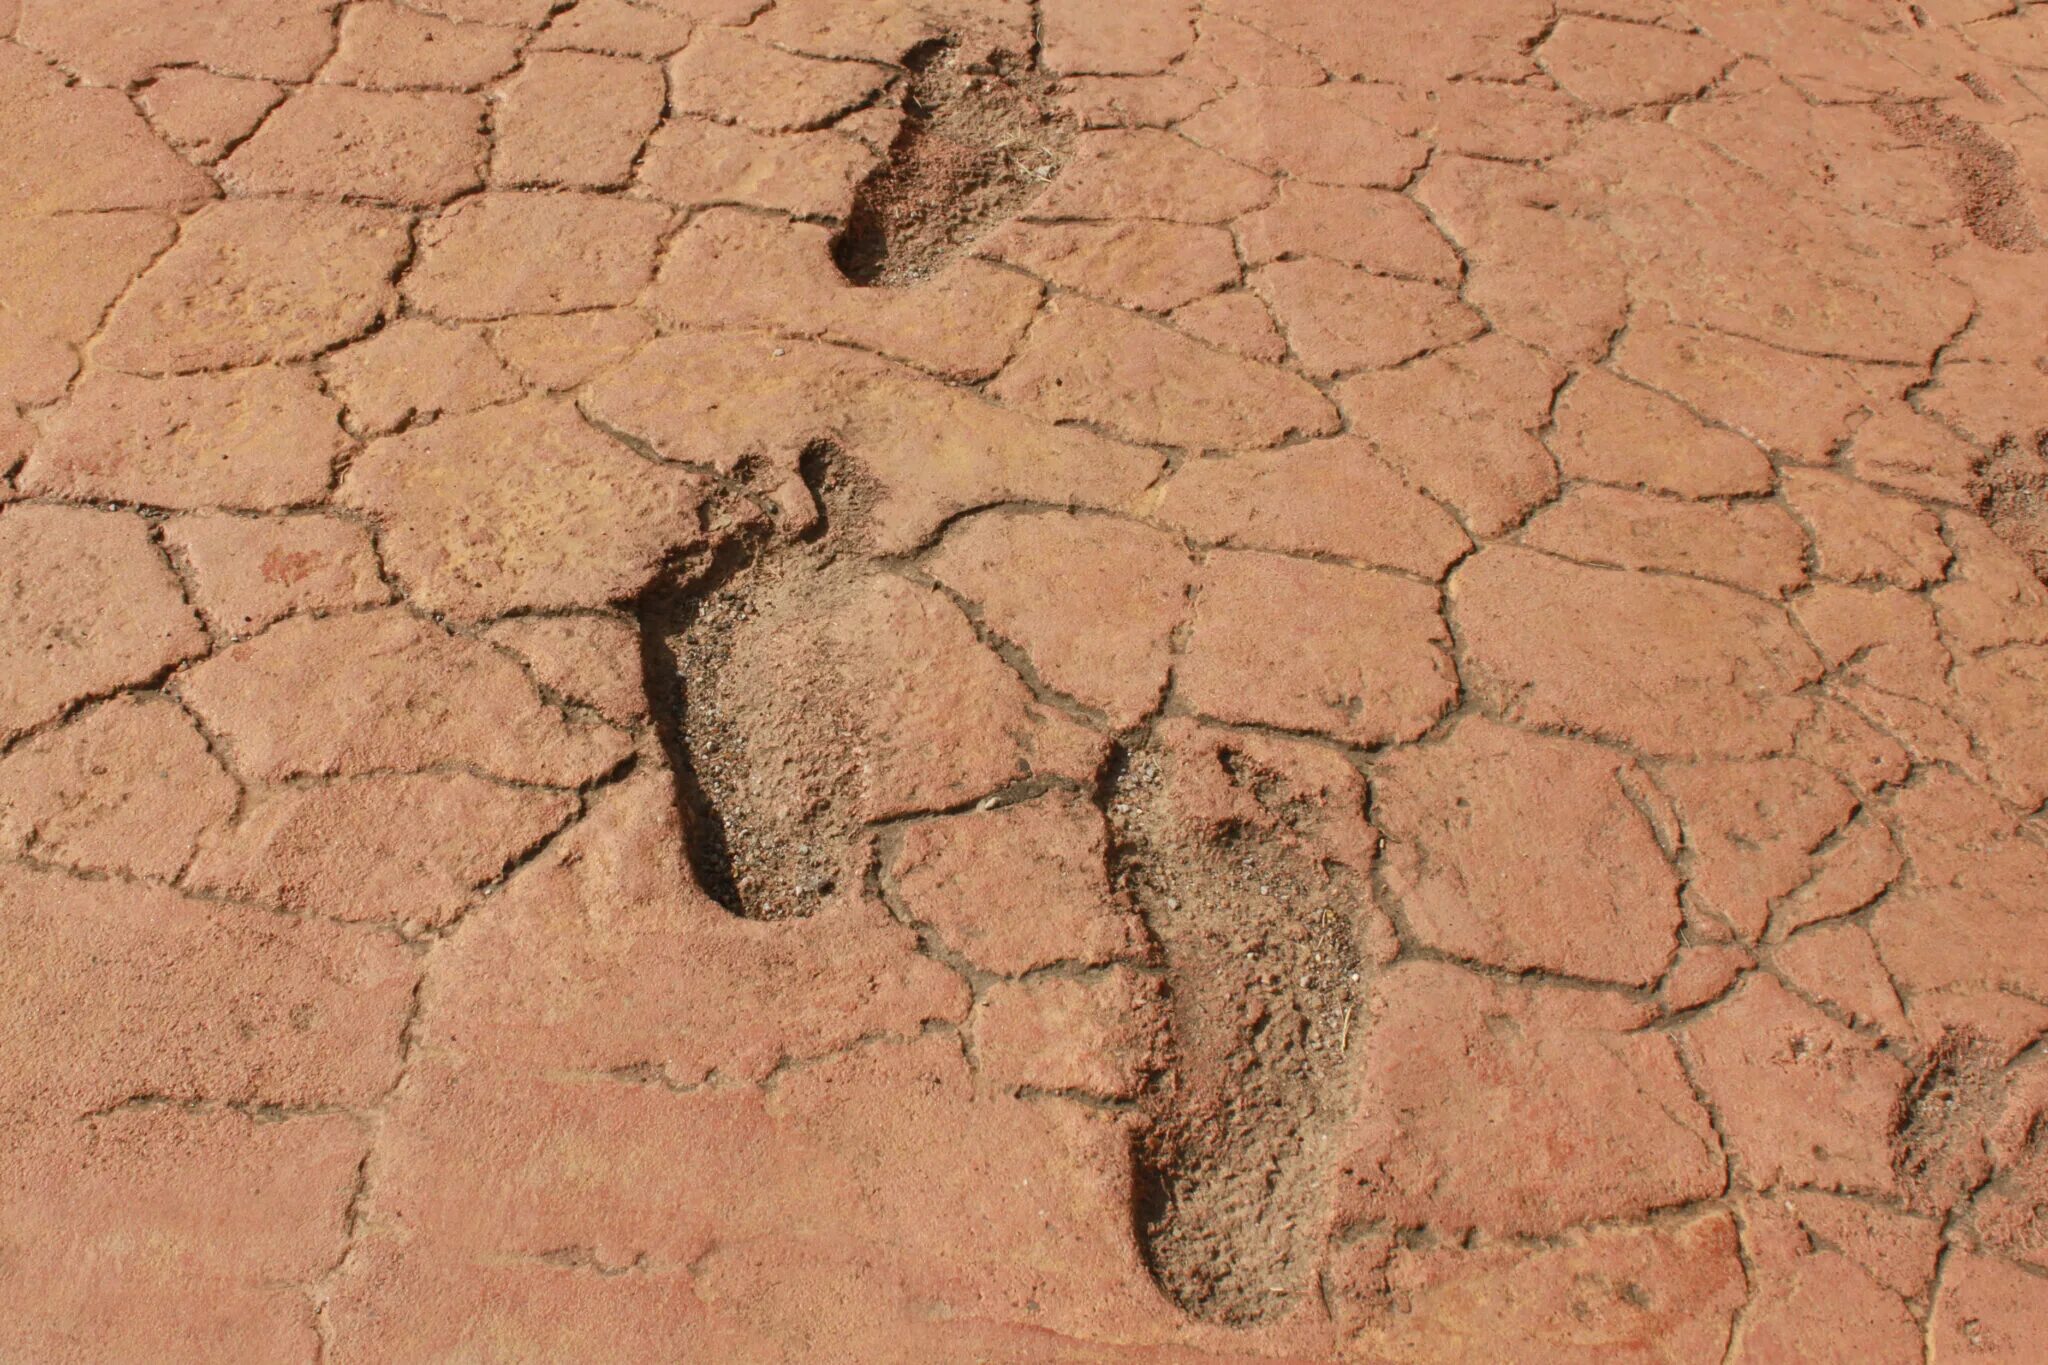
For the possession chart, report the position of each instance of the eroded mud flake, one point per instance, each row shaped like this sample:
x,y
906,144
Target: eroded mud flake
x,y
1249,858
980,138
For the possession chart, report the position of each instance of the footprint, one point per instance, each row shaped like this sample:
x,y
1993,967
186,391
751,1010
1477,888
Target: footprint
x,y
980,139
1250,860
1984,173
807,694
765,810
1944,1119
2012,495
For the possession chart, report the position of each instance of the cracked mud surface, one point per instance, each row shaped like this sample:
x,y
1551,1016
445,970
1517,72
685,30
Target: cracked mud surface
x,y
787,680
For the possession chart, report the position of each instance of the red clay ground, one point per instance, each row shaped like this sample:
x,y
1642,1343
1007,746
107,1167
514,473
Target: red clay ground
x,y
809,680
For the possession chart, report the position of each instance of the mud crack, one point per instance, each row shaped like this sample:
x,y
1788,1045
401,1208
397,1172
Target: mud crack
x,y
980,139
1241,857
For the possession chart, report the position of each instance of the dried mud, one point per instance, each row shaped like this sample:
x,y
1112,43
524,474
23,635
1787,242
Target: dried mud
x,y
325,477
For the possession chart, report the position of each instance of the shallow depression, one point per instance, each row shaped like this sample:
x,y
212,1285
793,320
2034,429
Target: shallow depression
x,y
980,139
